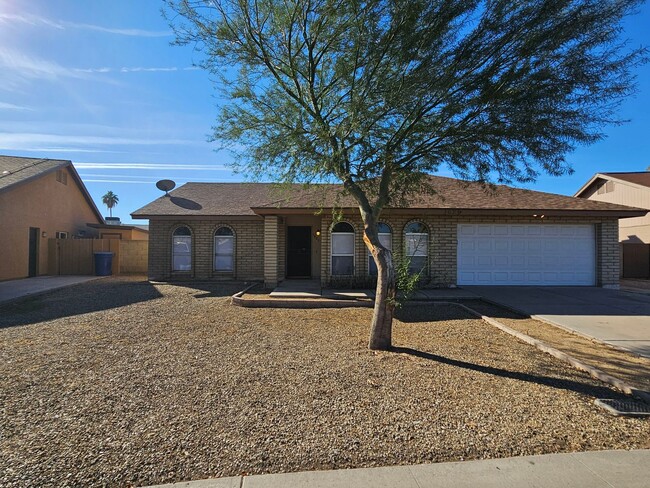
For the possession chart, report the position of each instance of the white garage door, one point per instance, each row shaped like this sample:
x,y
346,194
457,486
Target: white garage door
x,y
535,254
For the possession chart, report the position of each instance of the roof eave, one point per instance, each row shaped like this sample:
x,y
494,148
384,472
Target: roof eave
x,y
63,164
620,213
606,176
588,184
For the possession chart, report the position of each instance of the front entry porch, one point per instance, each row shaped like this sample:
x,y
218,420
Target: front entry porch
x,y
312,289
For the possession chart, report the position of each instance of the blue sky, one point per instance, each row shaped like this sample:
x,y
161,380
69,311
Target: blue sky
x,y
99,83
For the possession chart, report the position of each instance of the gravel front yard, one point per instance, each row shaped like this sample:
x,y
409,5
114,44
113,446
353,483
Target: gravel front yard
x,y
120,382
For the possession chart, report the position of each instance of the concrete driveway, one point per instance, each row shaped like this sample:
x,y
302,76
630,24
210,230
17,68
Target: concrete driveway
x,y
16,289
616,317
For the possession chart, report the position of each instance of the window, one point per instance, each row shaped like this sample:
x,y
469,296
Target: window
x,y
61,235
417,246
385,237
224,249
342,249
182,249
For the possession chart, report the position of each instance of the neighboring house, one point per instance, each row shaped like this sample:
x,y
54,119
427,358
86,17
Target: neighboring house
x,y
464,234
121,231
39,199
631,189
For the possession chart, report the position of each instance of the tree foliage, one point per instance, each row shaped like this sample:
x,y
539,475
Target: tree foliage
x,y
377,94
322,89
110,199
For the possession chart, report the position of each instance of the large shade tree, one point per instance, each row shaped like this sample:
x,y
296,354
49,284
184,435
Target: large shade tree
x,y
377,94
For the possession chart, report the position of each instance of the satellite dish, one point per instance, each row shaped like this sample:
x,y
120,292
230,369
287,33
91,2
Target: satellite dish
x,y
165,185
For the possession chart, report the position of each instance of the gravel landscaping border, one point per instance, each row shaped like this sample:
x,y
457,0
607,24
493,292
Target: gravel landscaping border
x,y
544,347
121,382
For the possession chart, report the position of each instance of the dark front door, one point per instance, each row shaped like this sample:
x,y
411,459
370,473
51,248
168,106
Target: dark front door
x,y
298,252
34,234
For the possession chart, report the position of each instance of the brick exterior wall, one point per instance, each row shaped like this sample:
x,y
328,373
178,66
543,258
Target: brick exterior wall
x,y
608,254
261,246
249,249
442,259
271,251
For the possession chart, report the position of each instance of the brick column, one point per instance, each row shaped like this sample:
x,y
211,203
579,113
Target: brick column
x,y
608,254
271,245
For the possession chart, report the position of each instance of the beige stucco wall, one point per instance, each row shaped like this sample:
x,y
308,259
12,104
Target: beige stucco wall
x,y
48,205
133,256
124,234
635,229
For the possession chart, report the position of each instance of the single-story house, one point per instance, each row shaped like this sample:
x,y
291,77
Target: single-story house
x,y
633,189
464,234
40,199
122,231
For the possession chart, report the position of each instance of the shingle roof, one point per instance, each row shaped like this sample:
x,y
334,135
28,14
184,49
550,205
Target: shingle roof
x,y
14,170
640,177
202,199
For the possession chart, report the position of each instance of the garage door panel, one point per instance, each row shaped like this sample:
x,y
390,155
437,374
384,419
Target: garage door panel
x,y
501,245
466,230
485,260
516,254
518,245
500,277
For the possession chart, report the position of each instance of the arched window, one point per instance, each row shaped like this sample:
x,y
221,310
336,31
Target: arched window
x,y
386,239
417,246
342,249
182,249
224,249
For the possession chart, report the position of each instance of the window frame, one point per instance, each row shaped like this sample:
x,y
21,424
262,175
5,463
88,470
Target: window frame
x,y
189,253
424,269
370,258
233,238
352,254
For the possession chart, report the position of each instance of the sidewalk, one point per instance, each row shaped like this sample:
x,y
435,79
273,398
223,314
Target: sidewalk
x,y
15,289
606,469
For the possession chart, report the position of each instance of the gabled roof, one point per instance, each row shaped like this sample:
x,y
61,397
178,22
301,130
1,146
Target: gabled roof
x,y
16,170
248,199
636,178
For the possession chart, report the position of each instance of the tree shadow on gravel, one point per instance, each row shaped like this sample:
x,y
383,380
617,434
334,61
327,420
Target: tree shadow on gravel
x,y
553,382
214,289
84,298
413,313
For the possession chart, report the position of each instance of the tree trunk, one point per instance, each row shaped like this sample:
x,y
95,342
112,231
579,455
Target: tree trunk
x,y
382,317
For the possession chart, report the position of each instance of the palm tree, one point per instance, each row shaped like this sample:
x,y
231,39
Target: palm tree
x,y
110,200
